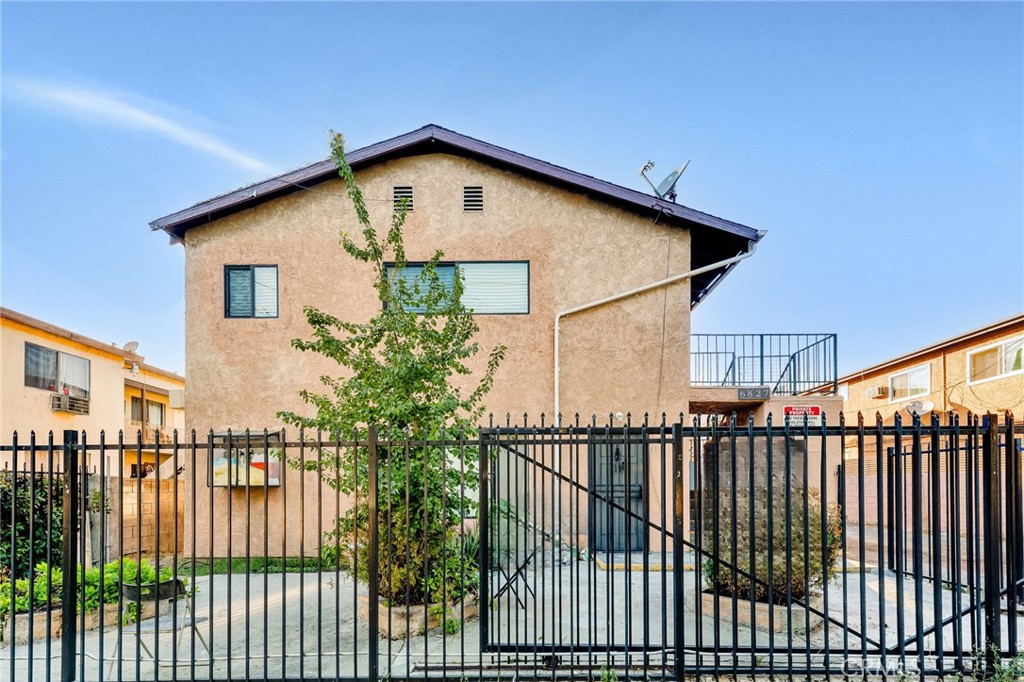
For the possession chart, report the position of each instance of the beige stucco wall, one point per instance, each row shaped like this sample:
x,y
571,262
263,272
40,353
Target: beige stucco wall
x,y
628,356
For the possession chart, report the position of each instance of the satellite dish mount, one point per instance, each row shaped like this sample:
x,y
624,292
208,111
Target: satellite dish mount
x,y
667,188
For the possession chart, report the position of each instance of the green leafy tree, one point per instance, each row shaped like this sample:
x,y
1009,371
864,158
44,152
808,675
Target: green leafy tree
x,y
399,375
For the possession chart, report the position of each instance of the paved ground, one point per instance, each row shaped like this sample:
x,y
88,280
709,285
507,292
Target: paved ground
x,y
304,625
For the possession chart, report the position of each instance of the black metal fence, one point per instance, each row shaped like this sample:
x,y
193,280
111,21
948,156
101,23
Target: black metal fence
x,y
788,364
614,550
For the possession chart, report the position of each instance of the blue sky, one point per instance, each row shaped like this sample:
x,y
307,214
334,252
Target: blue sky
x,y
880,145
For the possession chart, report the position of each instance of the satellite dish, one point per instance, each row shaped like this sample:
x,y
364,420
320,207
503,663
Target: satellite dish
x,y
919,407
131,346
667,188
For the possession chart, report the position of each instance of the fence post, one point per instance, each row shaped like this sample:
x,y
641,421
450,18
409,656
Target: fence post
x,y
679,499
890,504
991,500
69,563
374,559
484,532
1018,518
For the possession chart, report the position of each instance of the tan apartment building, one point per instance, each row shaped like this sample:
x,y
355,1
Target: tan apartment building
x,y
54,379
977,372
538,246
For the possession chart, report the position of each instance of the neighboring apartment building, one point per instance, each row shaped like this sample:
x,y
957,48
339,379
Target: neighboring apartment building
x,y
976,372
536,244
55,380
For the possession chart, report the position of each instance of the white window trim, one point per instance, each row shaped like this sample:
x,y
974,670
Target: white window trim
x,y
916,396
970,362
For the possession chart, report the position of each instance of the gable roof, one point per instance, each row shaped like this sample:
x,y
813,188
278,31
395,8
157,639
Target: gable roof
x,y
712,238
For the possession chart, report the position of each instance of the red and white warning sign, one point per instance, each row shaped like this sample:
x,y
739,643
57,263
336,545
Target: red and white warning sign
x,y
795,414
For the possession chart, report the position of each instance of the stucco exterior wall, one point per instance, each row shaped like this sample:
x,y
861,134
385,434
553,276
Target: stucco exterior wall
x,y
628,356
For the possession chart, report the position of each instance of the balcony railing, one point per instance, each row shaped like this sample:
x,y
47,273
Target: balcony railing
x,y
789,364
149,432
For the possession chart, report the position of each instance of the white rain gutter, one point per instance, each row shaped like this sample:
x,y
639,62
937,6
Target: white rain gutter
x,y
639,290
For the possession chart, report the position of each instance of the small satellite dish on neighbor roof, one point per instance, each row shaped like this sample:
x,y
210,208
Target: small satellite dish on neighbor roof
x,y
919,407
667,188
131,346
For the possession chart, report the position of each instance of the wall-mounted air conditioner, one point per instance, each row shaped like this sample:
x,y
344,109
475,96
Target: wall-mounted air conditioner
x,y
66,403
878,392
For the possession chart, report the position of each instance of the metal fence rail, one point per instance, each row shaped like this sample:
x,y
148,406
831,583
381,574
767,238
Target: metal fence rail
x,y
789,364
641,550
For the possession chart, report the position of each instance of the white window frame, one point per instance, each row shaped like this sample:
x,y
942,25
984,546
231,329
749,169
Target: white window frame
x,y
927,366
999,344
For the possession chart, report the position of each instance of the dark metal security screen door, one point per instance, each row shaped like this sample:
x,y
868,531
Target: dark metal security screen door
x,y
617,505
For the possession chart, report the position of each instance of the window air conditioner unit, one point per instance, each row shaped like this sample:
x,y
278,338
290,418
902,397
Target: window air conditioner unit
x,y
78,405
58,402
878,392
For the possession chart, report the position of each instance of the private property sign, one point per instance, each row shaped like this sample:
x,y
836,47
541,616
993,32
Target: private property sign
x,y
795,414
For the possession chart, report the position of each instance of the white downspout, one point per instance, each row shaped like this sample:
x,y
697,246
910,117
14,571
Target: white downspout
x,y
639,290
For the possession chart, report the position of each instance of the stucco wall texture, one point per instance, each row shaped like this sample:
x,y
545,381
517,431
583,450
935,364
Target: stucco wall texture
x,y
631,356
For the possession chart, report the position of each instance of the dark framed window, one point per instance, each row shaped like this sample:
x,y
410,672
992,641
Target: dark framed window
x,y
250,291
489,287
53,370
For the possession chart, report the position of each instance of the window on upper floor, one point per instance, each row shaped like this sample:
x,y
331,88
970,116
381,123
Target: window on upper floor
x,y
489,287
250,291
913,382
1000,360
57,371
136,408
154,413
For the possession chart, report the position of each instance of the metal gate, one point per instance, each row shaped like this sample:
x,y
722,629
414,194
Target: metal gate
x,y
806,550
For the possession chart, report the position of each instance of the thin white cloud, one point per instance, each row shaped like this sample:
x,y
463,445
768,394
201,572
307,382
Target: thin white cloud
x,y
95,104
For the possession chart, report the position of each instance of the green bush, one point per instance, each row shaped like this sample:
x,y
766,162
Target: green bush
x,y
46,511
809,563
98,587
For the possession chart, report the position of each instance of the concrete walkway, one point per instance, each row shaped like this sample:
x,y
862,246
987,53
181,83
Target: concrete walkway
x,y
302,625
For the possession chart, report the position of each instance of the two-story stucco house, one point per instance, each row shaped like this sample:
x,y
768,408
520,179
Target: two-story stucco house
x,y
589,285
534,240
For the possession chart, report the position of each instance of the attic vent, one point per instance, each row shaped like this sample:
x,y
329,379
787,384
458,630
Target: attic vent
x,y
473,199
403,193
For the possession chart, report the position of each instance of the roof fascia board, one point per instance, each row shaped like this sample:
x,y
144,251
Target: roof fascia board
x,y
994,328
365,156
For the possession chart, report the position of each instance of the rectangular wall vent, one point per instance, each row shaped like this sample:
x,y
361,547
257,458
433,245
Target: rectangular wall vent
x,y
473,199
403,193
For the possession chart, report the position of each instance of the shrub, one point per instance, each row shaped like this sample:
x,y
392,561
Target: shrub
x,y
810,562
46,515
98,587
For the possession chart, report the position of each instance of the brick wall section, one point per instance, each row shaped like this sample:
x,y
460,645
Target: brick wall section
x,y
138,518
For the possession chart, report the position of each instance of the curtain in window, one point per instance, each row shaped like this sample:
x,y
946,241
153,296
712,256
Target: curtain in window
x,y
154,414
74,375
40,367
